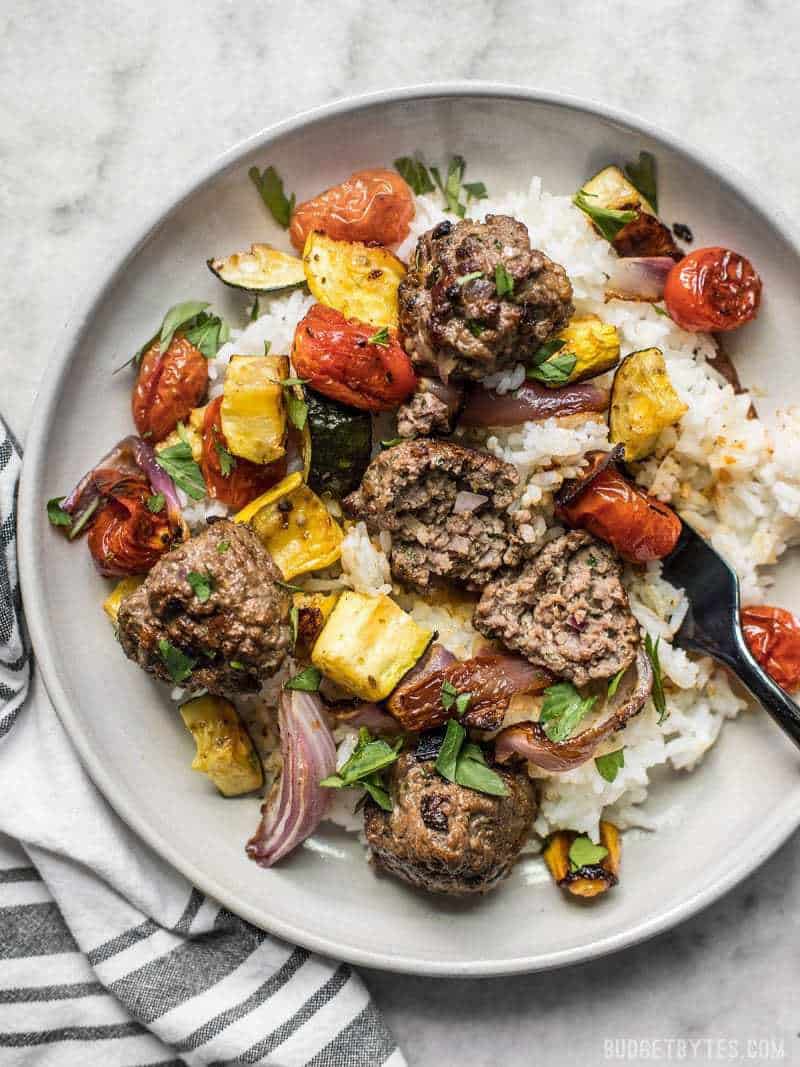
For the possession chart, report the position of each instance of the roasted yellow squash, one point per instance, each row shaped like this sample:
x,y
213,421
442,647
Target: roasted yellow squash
x,y
123,588
359,281
609,188
643,403
594,343
313,611
224,749
368,644
645,234
588,879
261,270
253,411
295,527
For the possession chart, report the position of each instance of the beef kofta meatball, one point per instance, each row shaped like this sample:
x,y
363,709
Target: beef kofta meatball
x,y
478,298
445,838
445,507
432,410
236,636
566,610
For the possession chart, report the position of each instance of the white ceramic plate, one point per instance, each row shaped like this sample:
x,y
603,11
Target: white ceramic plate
x,y
722,821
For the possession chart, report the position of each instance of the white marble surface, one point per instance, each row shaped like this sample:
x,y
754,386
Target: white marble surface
x,y
108,108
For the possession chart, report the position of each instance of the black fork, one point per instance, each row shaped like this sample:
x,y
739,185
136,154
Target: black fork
x,y
712,626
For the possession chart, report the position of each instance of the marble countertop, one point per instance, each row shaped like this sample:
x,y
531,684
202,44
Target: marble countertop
x,y
109,110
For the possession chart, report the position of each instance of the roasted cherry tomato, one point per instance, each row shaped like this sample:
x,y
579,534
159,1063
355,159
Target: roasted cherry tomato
x,y
244,480
773,636
168,387
126,537
341,359
605,503
712,289
372,206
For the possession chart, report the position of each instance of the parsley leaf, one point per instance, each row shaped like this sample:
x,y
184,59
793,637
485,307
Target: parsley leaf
x,y
503,281
296,407
475,190
178,462
255,311
415,173
56,514
267,347
370,756
392,442
660,311
294,621
270,188
463,701
608,766
585,853
608,221
472,773
306,681
381,337
613,684
208,334
452,187
223,547
475,328
548,349
202,584
659,700
227,461
237,665
179,665
374,787
555,371
642,175
449,694
464,278
563,709
177,316
447,759
155,503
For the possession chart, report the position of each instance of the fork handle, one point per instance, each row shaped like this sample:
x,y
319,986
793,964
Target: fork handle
x,y
758,683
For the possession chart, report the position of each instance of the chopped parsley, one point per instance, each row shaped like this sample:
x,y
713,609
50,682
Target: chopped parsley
x,y
463,701
202,585
475,191
608,766
392,442
503,281
56,514
223,547
583,852
608,221
208,333
548,349
465,764
451,187
555,371
255,310
365,766
659,700
563,708
200,329
449,694
613,684
294,621
267,347
179,665
237,665
270,187
414,172
464,278
642,176
447,759
178,462
179,315
475,328
227,461
289,586
591,559
381,337
155,503
296,407
661,311
307,681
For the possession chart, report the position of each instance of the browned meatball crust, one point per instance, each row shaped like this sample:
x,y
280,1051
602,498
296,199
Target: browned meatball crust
x,y
452,318
566,610
238,637
411,490
445,838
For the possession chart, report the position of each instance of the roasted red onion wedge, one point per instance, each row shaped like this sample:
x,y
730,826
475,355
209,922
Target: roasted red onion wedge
x,y
639,278
528,740
372,716
531,403
297,802
491,681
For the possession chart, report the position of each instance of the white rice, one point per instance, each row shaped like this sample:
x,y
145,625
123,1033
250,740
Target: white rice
x,y
721,470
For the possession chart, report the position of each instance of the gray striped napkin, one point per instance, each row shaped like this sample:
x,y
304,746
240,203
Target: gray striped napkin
x,y
107,955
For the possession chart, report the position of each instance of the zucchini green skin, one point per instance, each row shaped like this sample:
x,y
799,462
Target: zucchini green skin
x,y
341,445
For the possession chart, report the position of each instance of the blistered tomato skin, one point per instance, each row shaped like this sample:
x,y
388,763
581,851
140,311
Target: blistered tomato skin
x,y
125,537
712,290
371,206
246,480
168,387
337,358
773,636
639,527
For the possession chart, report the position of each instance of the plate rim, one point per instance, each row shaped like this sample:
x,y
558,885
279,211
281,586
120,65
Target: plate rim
x,y
774,830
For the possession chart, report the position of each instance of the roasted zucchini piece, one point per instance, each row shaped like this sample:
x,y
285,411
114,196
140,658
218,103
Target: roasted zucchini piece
x,y
295,527
643,403
313,611
359,281
224,749
368,644
253,408
341,445
584,879
645,235
261,270
123,588
595,345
